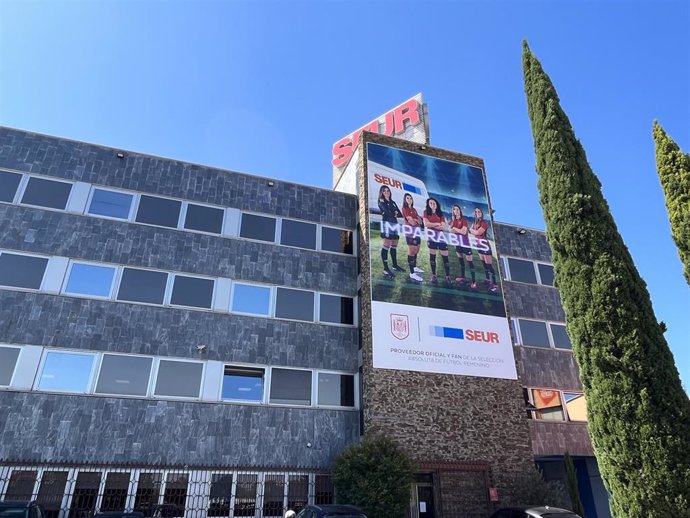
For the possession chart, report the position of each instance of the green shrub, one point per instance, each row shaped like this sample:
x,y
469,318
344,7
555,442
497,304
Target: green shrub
x,y
375,475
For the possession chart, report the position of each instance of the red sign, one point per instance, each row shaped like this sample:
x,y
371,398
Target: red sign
x,y
392,123
493,494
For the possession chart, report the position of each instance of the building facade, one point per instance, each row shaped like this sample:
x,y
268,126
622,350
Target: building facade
x,y
184,340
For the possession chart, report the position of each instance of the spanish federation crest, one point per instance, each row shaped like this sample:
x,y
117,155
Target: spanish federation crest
x,y
400,326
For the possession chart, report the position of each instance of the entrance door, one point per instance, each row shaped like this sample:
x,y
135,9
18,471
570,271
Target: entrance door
x,y
425,501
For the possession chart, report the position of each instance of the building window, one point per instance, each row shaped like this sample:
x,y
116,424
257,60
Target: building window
x,y
85,494
111,204
576,406
175,494
8,361
52,491
274,487
257,227
148,489
545,273
125,375
290,387
66,372
534,333
158,211
8,185
339,310
560,336
245,495
22,271
548,405
219,497
298,233
179,379
204,219
324,492
21,485
295,304
192,291
89,279
336,389
46,193
142,286
336,240
298,492
251,299
522,271
243,384
115,492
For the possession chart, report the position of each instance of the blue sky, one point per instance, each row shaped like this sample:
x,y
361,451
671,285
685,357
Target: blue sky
x,y
266,87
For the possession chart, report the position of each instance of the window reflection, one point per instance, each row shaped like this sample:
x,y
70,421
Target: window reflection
x,y
47,193
290,387
22,271
110,203
336,240
560,336
66,372
295,304
548,405
88,279
255,300
576,405
534,333
522,271
298,233
8,185
244,384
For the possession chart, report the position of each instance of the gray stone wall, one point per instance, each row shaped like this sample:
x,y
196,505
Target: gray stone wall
x,y
39,427
66,428
62,158
439,417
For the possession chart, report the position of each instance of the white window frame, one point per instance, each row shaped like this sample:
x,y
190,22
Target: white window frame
x,y
339,373
552,343
317,237
280,367
183,218
25,254
236,365
355,319
155,372
149,385
167,301
132,207
561,395
315,311
271,299
150,195
95,367
319,240
536,268
113,283
16,362
276,233
508,276
22,181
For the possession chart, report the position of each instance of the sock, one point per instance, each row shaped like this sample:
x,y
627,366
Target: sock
x,y
487,273
384,258
446,264
492,272
462,267
410,262
432,260
394,257
472,271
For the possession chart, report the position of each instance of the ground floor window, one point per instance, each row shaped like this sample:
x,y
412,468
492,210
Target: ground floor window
x,y
80,492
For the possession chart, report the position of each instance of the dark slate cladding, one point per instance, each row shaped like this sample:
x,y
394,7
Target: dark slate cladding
x,y
66,428
530,245
97,239
549,368
56,321
533,301
62,158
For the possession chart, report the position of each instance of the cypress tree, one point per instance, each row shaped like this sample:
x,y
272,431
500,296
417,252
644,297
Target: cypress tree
x,y
674,173
573,486
638,413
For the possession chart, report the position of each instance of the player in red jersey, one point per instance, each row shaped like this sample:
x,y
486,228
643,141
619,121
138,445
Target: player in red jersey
x,y
460,226
435,224
412,219
479,229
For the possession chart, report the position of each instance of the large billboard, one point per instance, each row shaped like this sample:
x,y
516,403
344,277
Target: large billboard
x,y
407,121
437,304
